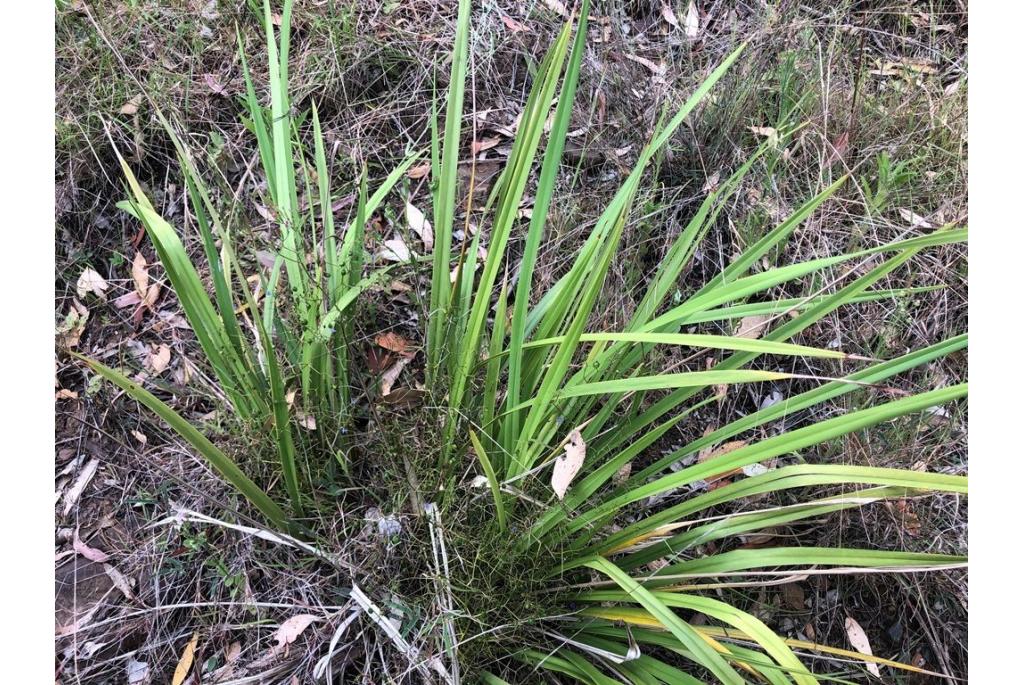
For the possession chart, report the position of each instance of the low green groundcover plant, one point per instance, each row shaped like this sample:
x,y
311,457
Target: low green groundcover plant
x,y
527,390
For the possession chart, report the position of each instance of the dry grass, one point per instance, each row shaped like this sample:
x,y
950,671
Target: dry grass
x,y
371,68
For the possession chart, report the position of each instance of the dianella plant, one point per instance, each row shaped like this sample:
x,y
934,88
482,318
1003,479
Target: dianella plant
x,y
549,409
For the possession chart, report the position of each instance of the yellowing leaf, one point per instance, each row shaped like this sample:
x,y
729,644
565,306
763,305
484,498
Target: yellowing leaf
x,y
185,662
568,465
859,641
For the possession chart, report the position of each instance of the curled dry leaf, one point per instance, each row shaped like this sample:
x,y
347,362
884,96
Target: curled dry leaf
x,y
419,224
91,282
568,465
859,641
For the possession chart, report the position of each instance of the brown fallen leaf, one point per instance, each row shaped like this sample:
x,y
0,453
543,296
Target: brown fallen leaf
x,y
752,327
378,359
908,517
793,596
152,295
394,342
291,629
709,453
568,465
770,134
720,479
65,394
159,359
234,651
915,220
405,397
859,641
140,274
185,662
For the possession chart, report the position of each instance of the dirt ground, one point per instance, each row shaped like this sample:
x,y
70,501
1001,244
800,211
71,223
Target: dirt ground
x,y
134,583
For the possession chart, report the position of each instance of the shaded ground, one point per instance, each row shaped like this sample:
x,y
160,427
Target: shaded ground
x,y
864,79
